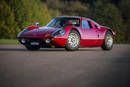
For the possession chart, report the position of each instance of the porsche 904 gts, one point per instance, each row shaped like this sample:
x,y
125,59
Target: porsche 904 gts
x,y
70,32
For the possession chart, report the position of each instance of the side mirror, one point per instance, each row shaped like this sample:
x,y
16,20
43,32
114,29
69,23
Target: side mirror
x,y
37,23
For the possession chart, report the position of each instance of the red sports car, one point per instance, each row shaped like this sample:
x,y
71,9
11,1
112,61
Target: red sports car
x,y
70,32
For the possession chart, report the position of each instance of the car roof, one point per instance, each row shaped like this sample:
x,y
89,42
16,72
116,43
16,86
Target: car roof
x,y
77,17
73,17
68,17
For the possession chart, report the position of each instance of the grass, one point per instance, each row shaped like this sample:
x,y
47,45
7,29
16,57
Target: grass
x,y
8,41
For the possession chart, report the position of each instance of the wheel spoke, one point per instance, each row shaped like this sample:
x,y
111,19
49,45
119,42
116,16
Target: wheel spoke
x,y
73,39
109,40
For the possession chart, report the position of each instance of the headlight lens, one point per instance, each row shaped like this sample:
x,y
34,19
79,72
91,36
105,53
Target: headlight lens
x,y
59,32
23,40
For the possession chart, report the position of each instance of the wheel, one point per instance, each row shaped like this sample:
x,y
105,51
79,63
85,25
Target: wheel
x,y
32,47
108,41
73,41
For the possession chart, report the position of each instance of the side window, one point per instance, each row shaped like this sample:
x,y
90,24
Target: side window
x,y
86,24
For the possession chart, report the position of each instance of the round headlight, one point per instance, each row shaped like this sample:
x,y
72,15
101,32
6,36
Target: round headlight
x,y
61,32
23,40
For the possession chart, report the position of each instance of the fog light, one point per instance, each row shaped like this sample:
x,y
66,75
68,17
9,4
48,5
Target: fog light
x,y
48,40
23,40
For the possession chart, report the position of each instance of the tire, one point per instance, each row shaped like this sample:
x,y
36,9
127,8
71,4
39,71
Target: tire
x,y
32,47
73,41
108,41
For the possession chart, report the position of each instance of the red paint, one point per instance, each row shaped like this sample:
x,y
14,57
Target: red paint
x,y
33,27
89,37
59,42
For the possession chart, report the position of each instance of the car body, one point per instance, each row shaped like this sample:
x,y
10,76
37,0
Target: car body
x,y
70,32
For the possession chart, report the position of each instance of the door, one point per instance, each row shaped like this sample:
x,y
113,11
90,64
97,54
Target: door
x,y
90,35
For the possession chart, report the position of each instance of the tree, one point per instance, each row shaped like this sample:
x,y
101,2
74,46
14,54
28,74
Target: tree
x,y
109,15
8,26
76,9
112,18
15,15
125,11
27,12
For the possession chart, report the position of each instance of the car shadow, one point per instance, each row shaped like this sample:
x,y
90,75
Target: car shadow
x,y
49,49
12,49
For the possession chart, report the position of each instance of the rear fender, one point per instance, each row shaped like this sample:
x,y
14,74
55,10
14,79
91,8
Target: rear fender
x,y
103,30
113,33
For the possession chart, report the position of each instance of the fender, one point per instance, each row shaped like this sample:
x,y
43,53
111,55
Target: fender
x,y
113,33
69,28
104,30
64,37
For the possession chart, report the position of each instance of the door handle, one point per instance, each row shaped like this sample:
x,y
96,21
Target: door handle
x,y
98,35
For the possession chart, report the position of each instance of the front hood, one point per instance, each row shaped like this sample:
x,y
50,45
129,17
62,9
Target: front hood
x,y
39,32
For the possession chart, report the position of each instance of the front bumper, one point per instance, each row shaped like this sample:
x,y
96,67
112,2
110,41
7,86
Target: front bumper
x,y
45,42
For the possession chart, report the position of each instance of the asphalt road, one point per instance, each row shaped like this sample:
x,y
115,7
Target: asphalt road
x,y
88,67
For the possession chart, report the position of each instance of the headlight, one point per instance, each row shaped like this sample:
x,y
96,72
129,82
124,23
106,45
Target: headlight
x,y
23,41
59,32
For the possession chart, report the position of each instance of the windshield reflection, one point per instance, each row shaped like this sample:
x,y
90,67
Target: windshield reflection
x,y
62,22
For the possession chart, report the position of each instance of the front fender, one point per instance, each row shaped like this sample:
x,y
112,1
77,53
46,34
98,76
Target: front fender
x,y
69,28
62,40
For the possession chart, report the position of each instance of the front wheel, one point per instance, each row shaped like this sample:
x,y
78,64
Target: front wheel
x,y
108,41
73,41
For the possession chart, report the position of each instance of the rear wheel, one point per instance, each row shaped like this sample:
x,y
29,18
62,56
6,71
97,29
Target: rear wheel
x,y
32,47
108,41
73,41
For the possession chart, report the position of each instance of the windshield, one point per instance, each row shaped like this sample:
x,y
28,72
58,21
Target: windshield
x,y
61,22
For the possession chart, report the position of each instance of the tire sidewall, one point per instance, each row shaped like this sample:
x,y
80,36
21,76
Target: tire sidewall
x,y
68,46
105,46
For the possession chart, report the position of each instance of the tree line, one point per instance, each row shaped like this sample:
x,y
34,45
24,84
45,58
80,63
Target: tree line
x,y
15,15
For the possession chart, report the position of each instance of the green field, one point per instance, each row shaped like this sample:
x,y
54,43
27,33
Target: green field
x,y
9,41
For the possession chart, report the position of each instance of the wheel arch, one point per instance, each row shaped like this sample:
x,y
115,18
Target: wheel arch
x,y
77,31
69,47
109,31
103,46
105,32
